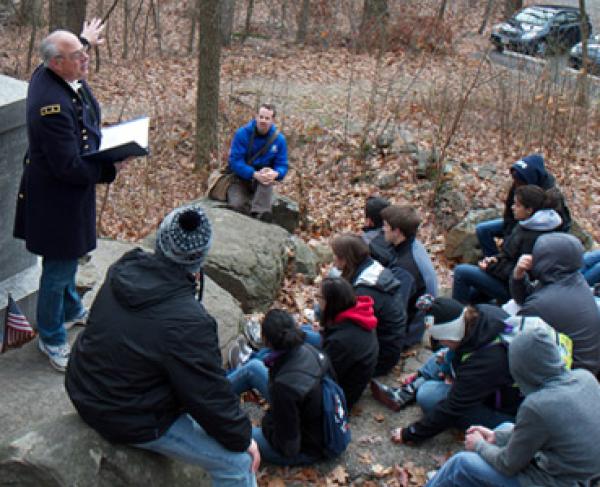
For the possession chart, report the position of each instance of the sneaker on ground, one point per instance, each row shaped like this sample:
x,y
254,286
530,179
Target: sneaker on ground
x,y
253,333
58,354
80,319
394,398
239,352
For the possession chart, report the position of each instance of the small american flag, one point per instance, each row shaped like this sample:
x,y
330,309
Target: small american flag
x,y
16,330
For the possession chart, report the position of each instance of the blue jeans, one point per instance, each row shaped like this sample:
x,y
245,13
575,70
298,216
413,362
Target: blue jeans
x,y
591,267
435,390
252,375
468,469
486,231
270,455
473,285
58,300
187,441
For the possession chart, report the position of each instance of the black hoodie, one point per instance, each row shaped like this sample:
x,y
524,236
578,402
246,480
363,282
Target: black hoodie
x,y
150,353
482,377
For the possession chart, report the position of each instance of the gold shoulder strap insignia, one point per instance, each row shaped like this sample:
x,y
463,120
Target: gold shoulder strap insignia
x,y
49,110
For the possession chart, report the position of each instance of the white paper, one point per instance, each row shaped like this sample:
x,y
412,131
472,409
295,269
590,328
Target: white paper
x,y
135,130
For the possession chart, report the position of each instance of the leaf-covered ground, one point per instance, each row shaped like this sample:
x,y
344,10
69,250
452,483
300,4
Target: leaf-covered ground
x,y
334,105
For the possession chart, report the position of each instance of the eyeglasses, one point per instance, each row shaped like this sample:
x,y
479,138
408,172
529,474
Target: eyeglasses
x,y
76,55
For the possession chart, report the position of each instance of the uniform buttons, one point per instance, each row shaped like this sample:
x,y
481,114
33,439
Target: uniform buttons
x,y
83,131
86,146
74,100
21,196
27,161
85,137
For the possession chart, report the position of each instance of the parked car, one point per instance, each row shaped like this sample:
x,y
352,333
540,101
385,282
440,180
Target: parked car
x,y
539,30
576,56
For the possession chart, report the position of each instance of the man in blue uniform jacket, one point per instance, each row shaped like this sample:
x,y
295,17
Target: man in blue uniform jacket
x,y
56,206
258,157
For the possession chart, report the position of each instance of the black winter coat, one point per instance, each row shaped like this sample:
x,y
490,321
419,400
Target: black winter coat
x,y
150,353
351,345
372,279
294,422
56,206
481,377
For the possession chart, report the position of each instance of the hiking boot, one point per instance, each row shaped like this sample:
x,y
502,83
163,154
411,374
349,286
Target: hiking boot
x,y
239,353
395,398
79,320
58,354
253,333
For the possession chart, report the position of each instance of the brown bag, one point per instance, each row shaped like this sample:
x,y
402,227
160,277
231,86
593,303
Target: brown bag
x,y
219,181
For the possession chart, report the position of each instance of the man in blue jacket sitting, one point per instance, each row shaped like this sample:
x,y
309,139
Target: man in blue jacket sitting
x,y
258,157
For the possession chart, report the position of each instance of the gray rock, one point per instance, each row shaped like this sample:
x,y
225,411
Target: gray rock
x,y
65,452
305,260
386,180
461,241
426,161
286,213
248,258
323,252
487,171
450,206
586,238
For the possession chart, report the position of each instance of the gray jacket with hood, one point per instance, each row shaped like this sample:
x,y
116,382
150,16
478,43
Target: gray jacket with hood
x,y
554,441
561,296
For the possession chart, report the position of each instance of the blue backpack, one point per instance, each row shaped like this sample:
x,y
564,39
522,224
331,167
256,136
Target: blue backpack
x,y
336,430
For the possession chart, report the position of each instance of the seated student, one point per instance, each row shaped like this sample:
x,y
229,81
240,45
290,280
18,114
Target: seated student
x,y
369,278
561,296
477,388
146,370
373,221
591,267
290,380
349,338
399,247
534,210
554,441
529,170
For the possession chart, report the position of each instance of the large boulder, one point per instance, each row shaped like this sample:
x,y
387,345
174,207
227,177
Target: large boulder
x,y
248,258
461,242
306,262
286,212
64,452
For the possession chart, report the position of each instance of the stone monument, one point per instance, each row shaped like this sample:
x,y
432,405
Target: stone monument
x,y
19,269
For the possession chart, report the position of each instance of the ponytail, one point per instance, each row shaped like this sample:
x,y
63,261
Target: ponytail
x,y
280,331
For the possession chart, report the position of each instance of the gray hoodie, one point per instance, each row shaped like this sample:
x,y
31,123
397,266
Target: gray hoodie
x,y
555,439
562,297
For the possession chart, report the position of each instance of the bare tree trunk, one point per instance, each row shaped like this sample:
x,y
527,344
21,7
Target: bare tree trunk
x,y
155,5
511,6
582,79
29,12
209,71
193,12
67,14
125,51
302,21
486,15
249,11
442,10
373,23
34,19
227,16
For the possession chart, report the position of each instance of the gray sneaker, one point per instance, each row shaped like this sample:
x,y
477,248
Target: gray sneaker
x,y
253,333
58,354
80,319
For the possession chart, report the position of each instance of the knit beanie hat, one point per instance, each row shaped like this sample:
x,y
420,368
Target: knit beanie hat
x,y
448,319
184,237
530,169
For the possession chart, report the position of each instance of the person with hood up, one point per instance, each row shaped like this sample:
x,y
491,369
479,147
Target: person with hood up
x,y
369,278
349,338
554,440
147,370
477,388
561,296
290,380
528,170
535,211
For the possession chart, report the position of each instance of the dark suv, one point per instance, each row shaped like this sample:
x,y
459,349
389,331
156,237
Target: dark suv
x,y
539,30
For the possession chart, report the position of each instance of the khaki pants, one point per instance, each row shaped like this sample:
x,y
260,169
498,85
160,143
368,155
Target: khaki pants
x,y
250,197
